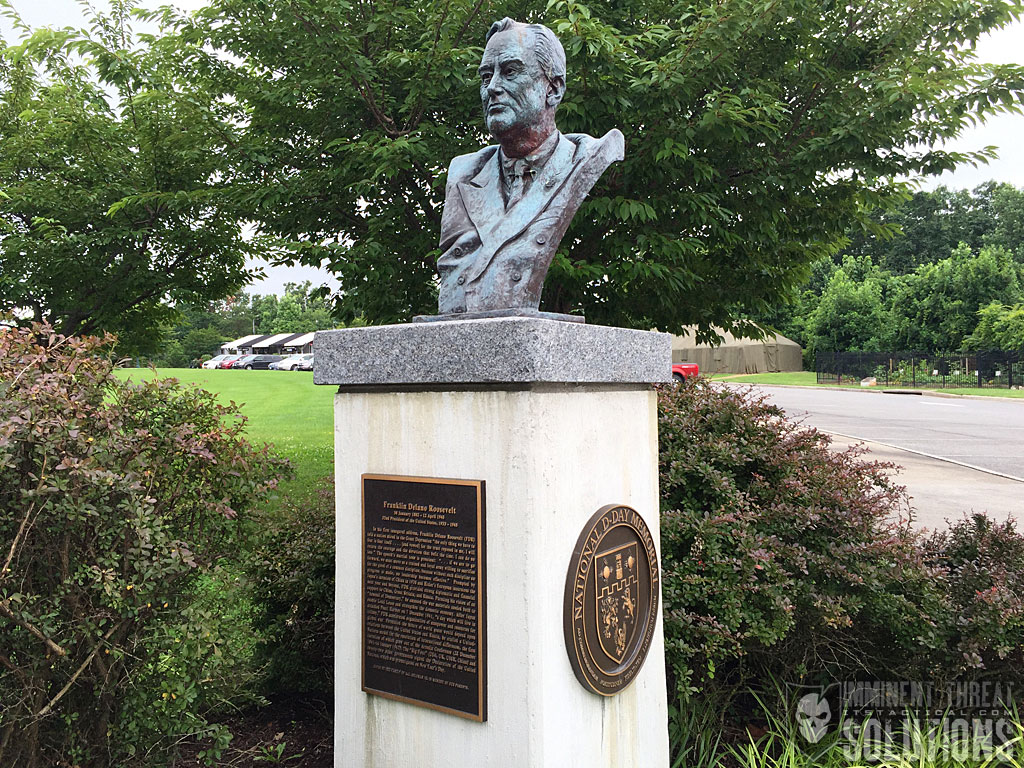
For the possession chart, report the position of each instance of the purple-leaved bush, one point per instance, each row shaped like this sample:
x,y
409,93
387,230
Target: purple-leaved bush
x,y
782,557
114,499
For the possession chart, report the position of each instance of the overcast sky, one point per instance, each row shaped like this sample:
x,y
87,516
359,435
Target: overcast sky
x,y
1004,131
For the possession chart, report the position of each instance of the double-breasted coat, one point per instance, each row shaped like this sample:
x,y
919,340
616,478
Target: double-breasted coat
x,y
492,258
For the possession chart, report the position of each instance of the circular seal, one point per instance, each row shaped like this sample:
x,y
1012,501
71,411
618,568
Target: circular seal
x,y
611,599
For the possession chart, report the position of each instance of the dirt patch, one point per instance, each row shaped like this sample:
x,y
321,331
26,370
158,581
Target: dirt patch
x,y
294,731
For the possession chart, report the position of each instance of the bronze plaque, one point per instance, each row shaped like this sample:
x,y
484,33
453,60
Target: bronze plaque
x,y
611,599
423,592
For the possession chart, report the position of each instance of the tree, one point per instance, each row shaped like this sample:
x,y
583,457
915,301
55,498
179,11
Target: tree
x,y
1008,205
850,315
201,342
932,224
172,355
112,199
289,316
999,327
936,308
756,132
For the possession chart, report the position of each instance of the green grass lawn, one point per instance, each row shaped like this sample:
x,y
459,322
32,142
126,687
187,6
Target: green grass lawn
x,y
284,409
792,377
809,379
986,392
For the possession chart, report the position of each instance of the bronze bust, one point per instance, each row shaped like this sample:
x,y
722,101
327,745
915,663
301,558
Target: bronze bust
x,y
507,206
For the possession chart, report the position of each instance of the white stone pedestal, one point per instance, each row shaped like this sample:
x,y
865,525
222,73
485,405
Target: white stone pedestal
x,y
551,454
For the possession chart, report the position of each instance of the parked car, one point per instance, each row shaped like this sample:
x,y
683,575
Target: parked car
x,y
306,365
214,362
230,360
238,364
256,362
683,371
291,362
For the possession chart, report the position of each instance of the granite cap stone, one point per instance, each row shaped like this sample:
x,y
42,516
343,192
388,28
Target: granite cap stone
x,y
514,350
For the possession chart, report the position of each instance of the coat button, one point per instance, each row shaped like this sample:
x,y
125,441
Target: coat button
x,y
461,280
456,251
516,277
541,239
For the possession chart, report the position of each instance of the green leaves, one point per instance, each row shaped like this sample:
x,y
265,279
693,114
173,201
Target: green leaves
x,y
116,501
756,133
780,555
113,175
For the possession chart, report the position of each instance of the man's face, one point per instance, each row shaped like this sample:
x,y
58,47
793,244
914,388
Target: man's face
x,y
513,87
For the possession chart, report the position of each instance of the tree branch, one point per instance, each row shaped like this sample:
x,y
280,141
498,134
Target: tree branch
x,y
78,672
5,609
469,20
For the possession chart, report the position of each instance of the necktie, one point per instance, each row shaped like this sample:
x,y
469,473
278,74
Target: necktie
x,y
516,187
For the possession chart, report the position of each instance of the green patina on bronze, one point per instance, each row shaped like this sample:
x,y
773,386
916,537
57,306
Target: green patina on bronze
x,y
507,206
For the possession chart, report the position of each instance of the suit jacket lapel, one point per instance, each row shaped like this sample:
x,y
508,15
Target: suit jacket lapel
x,y
482,198
509,224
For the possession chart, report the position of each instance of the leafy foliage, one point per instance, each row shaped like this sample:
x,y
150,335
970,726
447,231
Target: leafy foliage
x,y
780,556
785,562
956,257
984,563
850,314
936,307
115,499
756,131
931,224
999,327
112,176
963,301
291,572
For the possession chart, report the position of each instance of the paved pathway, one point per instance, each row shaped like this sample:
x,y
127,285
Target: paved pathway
x,y
940,491
957,455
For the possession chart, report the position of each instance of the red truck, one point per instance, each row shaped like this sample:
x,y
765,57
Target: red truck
x,y
682,371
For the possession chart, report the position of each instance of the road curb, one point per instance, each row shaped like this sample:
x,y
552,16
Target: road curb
x,y
923,392
926,455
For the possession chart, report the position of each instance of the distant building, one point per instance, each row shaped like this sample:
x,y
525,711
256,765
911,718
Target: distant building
x,y
242,346
269,344
733,355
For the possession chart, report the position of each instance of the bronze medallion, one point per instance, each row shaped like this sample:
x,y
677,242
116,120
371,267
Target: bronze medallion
x,y
611,599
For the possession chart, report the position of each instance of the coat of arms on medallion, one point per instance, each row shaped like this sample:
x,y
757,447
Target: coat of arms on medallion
x,y
611,599
616,593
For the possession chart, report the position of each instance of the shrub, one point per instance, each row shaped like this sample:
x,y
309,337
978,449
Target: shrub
x,y
999,327
782,557
983,565
115,499
291,573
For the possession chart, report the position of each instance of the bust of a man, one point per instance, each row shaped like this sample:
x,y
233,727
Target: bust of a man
x,y
508,205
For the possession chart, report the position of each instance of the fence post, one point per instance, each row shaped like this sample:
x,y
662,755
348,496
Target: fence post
x,y
913,371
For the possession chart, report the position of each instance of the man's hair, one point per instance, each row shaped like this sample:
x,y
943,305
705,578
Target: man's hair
x,y
550,53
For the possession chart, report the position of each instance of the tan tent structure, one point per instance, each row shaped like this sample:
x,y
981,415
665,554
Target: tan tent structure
x,y
775,353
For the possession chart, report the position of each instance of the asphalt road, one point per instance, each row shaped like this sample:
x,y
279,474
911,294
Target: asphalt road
x,y
985,435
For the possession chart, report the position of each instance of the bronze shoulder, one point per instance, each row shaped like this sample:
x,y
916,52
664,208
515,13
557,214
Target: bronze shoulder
x,y
467,166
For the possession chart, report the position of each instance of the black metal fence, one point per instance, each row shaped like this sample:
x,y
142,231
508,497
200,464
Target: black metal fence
x,y
994,368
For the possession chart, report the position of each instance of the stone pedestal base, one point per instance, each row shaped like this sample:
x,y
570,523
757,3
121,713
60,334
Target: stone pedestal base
x,y
551,454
